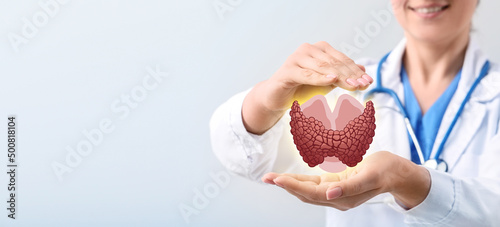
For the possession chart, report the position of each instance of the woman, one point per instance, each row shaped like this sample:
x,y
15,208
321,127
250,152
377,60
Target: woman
x,y
431,71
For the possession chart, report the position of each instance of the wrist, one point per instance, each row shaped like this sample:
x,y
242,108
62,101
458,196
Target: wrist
x,y
270,97
257,114
412,184
273,96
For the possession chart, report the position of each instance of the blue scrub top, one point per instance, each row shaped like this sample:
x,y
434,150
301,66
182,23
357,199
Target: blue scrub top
x,y
426,126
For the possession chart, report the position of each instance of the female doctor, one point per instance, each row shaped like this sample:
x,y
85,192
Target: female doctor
x,y
437,101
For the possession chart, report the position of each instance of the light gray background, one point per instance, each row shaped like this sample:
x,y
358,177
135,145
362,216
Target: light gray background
x,y
65,78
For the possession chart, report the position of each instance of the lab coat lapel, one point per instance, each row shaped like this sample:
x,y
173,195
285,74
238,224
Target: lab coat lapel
x,y
473,114
467,125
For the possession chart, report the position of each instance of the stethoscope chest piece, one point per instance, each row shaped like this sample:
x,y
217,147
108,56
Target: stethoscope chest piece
x,y
434,164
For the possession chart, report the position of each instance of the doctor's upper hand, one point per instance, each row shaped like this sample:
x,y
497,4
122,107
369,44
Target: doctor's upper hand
x,y
378,173
312,69
315,66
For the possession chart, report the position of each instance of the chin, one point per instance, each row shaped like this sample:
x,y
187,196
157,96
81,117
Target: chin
x,y
434,35
437,33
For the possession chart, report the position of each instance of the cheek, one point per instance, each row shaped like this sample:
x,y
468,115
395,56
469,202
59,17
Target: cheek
x,y
398,7
467,9
462,13
470,5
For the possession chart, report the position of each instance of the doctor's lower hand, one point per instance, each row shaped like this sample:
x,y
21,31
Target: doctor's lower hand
x,y
311,70
379,173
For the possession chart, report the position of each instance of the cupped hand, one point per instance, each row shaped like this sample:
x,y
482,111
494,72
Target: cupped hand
x,y
378,173
311,70
314,69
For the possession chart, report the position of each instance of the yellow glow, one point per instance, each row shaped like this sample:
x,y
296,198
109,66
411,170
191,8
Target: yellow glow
x,y
306,92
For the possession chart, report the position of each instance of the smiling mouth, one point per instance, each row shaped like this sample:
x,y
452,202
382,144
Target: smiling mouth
x,y
429,10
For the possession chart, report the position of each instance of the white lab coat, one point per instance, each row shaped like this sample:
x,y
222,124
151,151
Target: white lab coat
x,y
468,195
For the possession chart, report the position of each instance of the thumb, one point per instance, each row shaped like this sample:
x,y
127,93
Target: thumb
x,y
354,185
333,192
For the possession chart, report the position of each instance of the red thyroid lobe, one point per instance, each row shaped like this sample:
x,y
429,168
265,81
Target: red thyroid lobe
x,y
315,142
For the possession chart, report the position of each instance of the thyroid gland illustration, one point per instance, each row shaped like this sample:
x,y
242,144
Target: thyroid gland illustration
x,y
335,139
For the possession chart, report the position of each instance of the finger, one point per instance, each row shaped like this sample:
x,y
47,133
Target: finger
x,y
309,76
346,203
306,200
269,178
326,63
365,79
353,185
354,80
327,48
312,180
330,177
317,59
331,66
362,67
308,70
309,190
301,177
314,57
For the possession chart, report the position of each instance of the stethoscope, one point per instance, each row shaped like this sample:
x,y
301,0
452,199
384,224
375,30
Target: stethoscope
x,y
435,163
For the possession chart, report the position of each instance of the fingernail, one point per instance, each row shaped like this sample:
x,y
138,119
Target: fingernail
x,y
352,82
268,181
363,81
331,76
333,193
278,184
368,78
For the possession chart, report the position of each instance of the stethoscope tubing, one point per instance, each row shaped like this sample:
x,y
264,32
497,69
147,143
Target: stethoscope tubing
x,y
436,163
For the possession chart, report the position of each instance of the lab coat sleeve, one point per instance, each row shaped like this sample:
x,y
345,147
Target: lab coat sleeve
x,y
456,201
239,151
